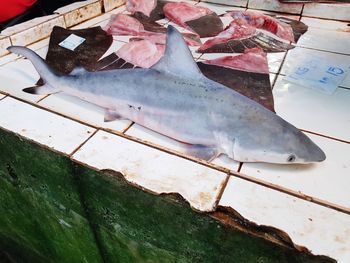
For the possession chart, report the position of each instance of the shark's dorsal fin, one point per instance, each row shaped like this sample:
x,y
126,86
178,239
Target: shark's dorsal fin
x,y
177,58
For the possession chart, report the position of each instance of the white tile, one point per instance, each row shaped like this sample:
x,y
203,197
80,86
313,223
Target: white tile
x,y
7,58
226,162
37,32
27,24
328,180
326,24
100,20
297,55
39,47
82,111
222,9
328,40
242,3
346,82
74,6
4,43
112,4
275,60
272,78
17,75
330,11
46,128
322,230
77,15
275,5
154,170
313,111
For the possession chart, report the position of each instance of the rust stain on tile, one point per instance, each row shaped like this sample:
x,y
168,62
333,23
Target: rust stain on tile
x,y
37,32
111,4
4,43
82,14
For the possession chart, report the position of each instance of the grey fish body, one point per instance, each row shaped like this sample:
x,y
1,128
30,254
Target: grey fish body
x,y
181,103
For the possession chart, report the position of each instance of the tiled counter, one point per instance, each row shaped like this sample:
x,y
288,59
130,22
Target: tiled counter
x,y
310,203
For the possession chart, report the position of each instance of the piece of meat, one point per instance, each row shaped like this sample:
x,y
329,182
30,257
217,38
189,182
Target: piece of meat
x,y
298,27
148,23
252,60
122,24
264,22
182,12
206,26
239,36
255,86
143,6
141,53
198,19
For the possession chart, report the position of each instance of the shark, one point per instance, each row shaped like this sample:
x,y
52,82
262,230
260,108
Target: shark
x,y
175,99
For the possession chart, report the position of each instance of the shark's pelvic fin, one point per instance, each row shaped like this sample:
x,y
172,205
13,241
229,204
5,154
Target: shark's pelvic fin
x,y
111,115
204,152
177,58
78,70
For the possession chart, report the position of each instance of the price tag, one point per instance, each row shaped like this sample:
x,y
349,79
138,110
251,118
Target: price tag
x,y
320,74
72,42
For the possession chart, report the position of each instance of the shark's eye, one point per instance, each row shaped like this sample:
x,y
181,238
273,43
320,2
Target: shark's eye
x,y
291,158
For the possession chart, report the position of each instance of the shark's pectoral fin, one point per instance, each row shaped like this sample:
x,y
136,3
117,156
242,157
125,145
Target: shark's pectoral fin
x,y
111,115
207,153
41,90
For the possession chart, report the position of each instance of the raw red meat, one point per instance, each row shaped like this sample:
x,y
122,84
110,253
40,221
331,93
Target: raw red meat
x,y
252,60
121,24
142,53
183,12
264,22
239,36
143,6
198,19
236,30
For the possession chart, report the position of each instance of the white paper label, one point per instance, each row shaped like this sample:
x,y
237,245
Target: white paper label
x,y
317,73
72,42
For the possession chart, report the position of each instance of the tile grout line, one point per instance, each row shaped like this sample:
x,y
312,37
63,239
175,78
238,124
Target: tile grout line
x,y
224,185
326,136
221,192
127,128
291,192
204,163
5,95
83,143
323,50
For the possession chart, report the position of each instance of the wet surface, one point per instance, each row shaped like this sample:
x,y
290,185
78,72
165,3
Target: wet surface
x,y
206,26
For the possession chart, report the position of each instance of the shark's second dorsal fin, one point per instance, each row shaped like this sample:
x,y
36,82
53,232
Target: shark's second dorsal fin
x,y
177,58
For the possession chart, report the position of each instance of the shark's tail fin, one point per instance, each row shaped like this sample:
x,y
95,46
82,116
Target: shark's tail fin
x,y
46,73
